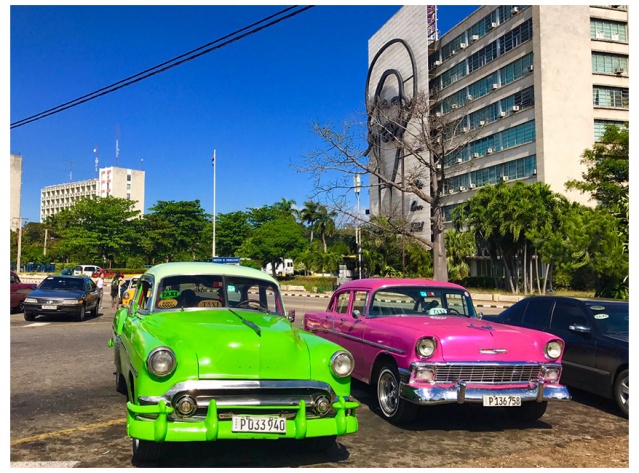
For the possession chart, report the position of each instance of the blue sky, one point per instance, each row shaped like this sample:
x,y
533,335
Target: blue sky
x,y
253,100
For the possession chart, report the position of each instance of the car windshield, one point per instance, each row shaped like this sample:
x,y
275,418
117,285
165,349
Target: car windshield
x,y
416,300
212,291
53,283
611,317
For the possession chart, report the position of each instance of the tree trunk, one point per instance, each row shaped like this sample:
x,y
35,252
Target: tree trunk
x,y
440,266
523,262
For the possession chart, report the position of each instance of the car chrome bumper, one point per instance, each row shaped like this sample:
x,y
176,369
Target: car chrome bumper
x,y
162,429
460,393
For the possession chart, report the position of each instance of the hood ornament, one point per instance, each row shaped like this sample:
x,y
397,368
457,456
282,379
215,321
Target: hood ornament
x,y
492,351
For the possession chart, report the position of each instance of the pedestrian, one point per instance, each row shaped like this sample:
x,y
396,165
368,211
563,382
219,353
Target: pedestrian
x,y
100,285
115,291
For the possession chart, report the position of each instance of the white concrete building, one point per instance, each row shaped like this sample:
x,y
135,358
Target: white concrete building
x,y
114,181
537,84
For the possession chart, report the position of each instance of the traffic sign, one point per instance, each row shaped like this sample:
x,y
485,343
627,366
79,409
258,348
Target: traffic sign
x,y
226,260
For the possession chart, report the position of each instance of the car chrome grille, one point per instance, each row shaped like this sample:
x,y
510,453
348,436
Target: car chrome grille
x,y
488,374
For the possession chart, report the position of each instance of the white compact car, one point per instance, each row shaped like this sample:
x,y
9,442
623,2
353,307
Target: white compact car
x,y
87,269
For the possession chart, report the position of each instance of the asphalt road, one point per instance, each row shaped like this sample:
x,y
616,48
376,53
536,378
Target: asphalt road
x,y
65,413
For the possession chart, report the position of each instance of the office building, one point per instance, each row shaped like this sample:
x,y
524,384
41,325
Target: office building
x,y
534,86
113,181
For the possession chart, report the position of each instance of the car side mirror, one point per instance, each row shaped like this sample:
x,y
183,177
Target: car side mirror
x,y
357,314
291,316
480,315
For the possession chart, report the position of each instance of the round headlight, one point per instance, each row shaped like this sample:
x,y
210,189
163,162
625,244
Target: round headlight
x,y
426,347
342,364
161,361
553,349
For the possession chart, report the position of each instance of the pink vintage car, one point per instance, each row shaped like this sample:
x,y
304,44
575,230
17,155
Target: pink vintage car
x,y
421,342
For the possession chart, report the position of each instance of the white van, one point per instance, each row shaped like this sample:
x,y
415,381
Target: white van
x,y
87,269
285,269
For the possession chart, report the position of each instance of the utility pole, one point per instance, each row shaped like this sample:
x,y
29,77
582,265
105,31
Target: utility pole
x,y
46,234
19,242
358,229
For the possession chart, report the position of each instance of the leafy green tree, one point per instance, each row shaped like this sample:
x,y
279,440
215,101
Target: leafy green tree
x,y
176,231
231,230
325,223
607,178
96,229
309,215
459,247
275,240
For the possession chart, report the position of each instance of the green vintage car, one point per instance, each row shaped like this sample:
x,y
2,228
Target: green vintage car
x,y
207,351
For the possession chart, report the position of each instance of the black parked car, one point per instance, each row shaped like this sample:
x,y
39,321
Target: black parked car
x,y
596,335
67,295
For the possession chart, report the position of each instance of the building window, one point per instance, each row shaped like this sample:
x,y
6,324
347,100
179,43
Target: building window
x,y
516,69
613,97
128,177
600,127
610,30
604,63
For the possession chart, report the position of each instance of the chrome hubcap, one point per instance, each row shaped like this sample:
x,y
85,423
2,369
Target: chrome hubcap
x,y
388,393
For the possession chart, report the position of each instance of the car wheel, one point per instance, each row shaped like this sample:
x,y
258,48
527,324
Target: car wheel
x,y
622,391
528,411
94,311
29,316
146,451
82,314
120,383
394,408
20,307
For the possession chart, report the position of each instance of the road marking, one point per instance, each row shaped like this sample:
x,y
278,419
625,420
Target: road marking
x,y
58,433
37,324
69,464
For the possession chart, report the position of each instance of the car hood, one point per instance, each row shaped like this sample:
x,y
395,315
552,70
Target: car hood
x,y
57,294
227,348
468,340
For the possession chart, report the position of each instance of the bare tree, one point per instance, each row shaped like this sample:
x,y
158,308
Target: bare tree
x,y
425,143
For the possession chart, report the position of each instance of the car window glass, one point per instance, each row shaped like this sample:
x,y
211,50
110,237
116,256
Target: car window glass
x,y
567,313
515,314
537,313
359,302
611,317
13,279
342,302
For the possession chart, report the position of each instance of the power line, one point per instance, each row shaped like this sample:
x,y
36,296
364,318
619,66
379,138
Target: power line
x,y
171,63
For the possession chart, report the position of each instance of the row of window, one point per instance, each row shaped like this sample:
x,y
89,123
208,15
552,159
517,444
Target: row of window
x,y
606,63
610,30
518,101
517,169
509,138
613,97
486,55
496,17
600,127
504,76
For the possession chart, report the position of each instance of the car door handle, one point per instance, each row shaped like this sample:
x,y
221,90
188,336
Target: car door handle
x,y
343,319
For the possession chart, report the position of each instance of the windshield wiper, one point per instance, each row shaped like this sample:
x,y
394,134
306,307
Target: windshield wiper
x,y
248,323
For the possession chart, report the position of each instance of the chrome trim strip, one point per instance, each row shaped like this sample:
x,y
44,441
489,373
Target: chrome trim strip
x,y
374,344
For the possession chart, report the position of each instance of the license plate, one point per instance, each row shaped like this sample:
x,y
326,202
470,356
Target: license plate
x,y
50,307
502,401
265,424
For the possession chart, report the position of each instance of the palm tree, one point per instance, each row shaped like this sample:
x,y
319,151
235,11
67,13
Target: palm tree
x,y
309,214
325,223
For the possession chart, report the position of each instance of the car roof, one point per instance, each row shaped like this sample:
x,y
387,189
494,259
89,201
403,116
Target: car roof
x,y
376,283
178,268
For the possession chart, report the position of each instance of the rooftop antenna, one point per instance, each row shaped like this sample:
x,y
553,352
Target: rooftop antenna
x,y
117,147
95,150
431,23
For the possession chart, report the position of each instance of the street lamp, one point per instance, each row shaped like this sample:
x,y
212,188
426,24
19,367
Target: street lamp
x,y
358,230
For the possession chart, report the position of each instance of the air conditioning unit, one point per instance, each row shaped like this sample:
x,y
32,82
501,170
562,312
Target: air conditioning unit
x,y
475,155
439,166
489,151
465,129
515,108
453,52
514,10
614,36
462,188
472,186
438,114
504,178
474,37
454,106
482,122
619,71
530,68
469,97
534,172
502,114
493,25
463,45
460,160
451,191
495,86
599,34
437,63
